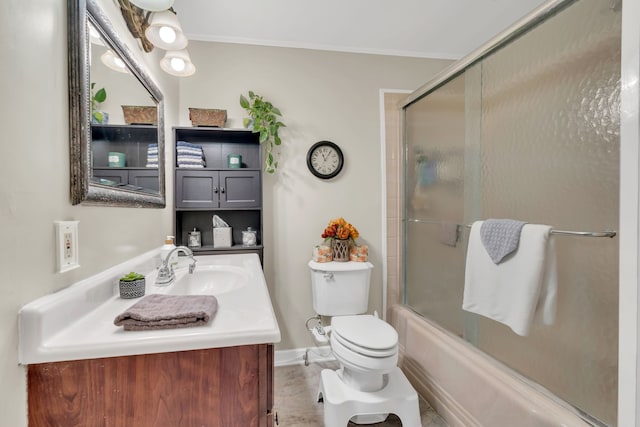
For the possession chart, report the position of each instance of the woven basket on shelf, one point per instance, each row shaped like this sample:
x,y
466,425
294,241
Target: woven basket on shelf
x,y
139,115
207,117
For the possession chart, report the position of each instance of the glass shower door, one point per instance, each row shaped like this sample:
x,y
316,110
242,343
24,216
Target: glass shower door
x,y
528,132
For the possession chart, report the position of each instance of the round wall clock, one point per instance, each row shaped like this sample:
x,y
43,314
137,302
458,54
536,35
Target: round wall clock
x,y
325,159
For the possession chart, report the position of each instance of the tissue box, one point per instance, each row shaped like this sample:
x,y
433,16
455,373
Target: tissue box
x,y
222,237
322,253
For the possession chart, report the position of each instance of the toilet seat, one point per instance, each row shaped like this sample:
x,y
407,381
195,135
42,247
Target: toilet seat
x,y
356,361
366,335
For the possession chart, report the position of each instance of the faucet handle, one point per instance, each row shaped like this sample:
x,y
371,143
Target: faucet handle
x,y
192,266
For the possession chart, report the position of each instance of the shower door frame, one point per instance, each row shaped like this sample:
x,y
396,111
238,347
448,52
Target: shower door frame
x,y
629,230
629,274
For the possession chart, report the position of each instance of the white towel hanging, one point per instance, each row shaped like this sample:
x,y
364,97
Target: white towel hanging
x,y
520,290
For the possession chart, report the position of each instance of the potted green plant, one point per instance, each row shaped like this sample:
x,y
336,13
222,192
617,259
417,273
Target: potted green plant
x,y
264,117
98,97
132,285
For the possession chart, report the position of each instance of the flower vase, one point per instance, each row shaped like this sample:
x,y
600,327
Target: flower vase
x,y
340,250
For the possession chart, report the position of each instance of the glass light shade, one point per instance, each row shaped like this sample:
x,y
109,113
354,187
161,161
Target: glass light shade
x,y
112,61
178,63
153,5
94,36
164,31
167,34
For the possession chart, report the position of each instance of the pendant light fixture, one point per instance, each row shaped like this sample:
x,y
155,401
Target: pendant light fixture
x,y
178,63
152,5
164,31
113,62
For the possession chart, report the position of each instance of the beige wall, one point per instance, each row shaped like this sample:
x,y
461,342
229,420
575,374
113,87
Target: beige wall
x,y
34,182
323,96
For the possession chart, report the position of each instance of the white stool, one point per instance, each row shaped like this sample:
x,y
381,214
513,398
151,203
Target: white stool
x,y
342,402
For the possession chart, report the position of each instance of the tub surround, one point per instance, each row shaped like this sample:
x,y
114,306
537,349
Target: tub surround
x,y
77,322
449,374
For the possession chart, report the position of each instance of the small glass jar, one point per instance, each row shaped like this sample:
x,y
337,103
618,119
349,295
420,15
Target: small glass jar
x,y
249,237
194,239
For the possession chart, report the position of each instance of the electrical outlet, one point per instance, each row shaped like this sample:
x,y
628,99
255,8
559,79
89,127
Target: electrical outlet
x,y
67,245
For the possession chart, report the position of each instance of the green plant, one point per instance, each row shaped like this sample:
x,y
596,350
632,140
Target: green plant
x,y
266,123
132,277
97,97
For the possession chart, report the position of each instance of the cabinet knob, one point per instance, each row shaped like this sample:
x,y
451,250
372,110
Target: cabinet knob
x,y
222,190
215,190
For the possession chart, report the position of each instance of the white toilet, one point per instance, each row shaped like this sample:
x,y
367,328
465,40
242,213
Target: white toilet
x,y
369,385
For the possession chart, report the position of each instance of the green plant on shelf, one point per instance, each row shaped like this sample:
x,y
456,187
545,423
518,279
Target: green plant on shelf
x,y
264,116
97,98
132,277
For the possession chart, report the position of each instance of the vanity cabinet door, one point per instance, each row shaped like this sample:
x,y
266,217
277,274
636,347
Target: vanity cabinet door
x,y
240,189
217,387
196,189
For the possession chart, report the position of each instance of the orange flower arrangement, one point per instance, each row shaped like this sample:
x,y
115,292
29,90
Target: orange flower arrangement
x,y
340,229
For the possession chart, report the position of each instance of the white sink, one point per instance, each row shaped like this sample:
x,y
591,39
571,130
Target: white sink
x,y
209,280
77,322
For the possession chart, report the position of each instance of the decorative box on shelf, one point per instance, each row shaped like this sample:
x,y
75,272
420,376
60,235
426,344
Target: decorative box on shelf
x,y
140,115
207,117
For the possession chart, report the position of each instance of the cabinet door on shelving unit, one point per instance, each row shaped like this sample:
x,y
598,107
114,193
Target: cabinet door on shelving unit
x,y
121,176
147,178
240,189
196,189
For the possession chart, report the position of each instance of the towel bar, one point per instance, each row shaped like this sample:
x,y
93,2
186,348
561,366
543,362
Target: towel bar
x,y
607,233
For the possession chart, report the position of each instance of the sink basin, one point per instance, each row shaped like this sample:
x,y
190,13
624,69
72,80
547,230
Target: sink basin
x,y
77,322
210,280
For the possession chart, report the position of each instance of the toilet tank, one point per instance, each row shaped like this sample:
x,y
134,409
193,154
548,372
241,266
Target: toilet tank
x,y
340,288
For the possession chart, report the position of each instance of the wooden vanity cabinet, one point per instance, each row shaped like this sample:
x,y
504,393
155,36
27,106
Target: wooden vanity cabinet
x,y
219,387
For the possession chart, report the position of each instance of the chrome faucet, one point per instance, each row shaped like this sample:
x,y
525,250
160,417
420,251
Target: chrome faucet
x,y
166,275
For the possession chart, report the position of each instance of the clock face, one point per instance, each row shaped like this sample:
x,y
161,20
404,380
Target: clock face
x,y
325,159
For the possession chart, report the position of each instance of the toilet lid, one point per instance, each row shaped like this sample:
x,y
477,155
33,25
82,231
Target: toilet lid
x,y
365,331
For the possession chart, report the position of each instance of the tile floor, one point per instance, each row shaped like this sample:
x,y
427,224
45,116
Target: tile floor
x,y
295,399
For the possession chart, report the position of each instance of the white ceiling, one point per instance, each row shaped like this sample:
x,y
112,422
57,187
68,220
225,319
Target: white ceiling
x,y
421,28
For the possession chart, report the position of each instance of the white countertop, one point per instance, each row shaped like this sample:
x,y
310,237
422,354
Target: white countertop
x,y
77,322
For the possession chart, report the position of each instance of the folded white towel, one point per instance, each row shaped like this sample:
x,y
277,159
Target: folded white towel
x,y
520,290
189,151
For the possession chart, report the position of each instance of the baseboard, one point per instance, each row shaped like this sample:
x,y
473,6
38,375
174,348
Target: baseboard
x,y
296,356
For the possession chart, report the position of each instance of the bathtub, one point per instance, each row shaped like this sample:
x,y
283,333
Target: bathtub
x,y
77,322
466,386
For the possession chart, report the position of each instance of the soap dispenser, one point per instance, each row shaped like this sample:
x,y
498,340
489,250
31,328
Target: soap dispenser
x,y
166,248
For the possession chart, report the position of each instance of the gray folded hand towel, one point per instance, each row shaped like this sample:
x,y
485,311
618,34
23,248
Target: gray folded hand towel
x,y
168,312
500,237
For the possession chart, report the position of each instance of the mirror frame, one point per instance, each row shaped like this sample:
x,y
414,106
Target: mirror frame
x,y
80,13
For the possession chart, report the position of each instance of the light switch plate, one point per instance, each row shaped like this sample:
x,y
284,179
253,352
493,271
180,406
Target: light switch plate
x,y
67,245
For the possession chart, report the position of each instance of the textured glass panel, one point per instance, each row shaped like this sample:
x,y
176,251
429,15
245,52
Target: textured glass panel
x,y
550,155
538,123
434,193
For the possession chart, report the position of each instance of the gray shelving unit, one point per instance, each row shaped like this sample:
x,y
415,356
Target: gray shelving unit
x,y
133,141
234,194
